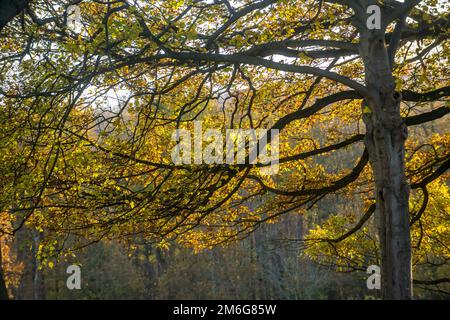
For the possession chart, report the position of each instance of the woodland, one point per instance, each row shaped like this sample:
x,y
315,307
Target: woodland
x,y
93,92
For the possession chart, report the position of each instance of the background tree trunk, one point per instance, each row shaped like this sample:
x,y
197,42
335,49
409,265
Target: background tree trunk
x,y
385,140
38,280
3,290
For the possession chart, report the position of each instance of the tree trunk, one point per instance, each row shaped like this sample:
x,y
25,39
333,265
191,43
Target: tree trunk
x,y
385,140
3,290
38,280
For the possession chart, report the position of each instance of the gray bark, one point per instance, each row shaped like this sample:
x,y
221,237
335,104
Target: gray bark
x,y
385,140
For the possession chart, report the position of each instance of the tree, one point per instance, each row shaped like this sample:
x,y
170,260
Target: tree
x,y
263,60
3,290
10,9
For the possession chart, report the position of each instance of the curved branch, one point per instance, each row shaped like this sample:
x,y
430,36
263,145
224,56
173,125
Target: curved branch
x,y
431,282
335,186
256,61
434,95
436,174
369,212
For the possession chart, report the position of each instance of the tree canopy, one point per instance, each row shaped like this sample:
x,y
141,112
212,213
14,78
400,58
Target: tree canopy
x,y
88,109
